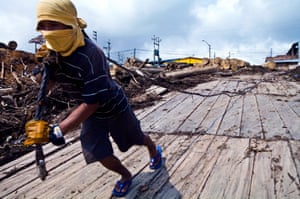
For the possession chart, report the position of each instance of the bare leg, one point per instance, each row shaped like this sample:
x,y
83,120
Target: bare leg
x,y
114,164
151,146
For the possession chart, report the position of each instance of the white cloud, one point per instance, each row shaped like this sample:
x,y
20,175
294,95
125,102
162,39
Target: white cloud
x,y
245,29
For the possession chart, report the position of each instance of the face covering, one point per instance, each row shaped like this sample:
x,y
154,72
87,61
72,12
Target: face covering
x,y
62,41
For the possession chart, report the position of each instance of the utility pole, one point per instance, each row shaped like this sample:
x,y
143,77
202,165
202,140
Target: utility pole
x,y
209,48
95,35
271,52
156,41
134,52
108,48
120,57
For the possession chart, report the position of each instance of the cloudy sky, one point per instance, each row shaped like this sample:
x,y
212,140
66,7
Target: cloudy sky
x,y
244,29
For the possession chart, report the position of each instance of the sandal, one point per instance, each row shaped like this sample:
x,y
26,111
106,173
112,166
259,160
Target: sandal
x,y
121,188
156,162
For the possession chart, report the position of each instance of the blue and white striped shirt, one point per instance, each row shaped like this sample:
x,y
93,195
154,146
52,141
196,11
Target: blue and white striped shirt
x,y
85,77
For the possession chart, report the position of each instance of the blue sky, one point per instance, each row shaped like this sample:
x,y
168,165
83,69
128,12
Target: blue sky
x,y
244,29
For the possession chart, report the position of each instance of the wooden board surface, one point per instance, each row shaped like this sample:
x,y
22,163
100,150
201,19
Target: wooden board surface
x,y
239,139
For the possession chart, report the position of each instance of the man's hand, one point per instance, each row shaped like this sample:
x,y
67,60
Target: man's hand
x,y
56,136
39,132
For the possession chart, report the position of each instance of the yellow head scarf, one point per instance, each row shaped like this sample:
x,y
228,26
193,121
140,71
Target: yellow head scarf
x,y
63,11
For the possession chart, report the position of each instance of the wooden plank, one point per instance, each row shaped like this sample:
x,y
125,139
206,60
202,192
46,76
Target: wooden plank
x,y
231,123
295,106
17,164
191,175
43,189
275,174
292,88
192,122
247,85
148,122
277,88
169,122
25,180
295,151
230,175
262,88
273,126
183,110
280,88
176,155
284,172
251,124
169,191
290,119
141,113
215,115
262,183
28,159
270,88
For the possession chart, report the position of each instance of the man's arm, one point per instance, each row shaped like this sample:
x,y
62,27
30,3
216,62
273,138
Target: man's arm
x,y
77,116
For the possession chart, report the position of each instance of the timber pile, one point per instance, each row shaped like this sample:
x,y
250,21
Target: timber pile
x,y
16,87
17,96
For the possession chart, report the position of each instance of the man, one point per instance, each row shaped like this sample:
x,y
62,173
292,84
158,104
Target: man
x,y
81,68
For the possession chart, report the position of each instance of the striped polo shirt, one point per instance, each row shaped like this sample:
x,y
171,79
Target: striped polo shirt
x,y
84,77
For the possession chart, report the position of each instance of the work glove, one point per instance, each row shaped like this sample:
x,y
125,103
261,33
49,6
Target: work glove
x,y
39,132
56,136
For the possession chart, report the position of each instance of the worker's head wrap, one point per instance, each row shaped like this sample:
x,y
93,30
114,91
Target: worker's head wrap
x,y
64,41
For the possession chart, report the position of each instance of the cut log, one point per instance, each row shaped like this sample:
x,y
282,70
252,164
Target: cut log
x,y
152,70
190,71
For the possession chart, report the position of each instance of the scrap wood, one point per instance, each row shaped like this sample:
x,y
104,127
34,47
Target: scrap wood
x,y
143,64
131,72
190,71
157,90
14,74
152,70
6,91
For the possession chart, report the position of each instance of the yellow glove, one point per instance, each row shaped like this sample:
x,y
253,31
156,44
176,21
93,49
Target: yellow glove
x,y
37,132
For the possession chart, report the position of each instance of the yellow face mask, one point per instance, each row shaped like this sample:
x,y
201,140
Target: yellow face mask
x,y
64,41
61,41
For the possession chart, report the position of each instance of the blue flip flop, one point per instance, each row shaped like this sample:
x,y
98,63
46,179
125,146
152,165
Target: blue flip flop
x,y
122,187
156,162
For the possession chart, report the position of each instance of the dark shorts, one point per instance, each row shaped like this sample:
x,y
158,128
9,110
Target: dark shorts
x,y
125,130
